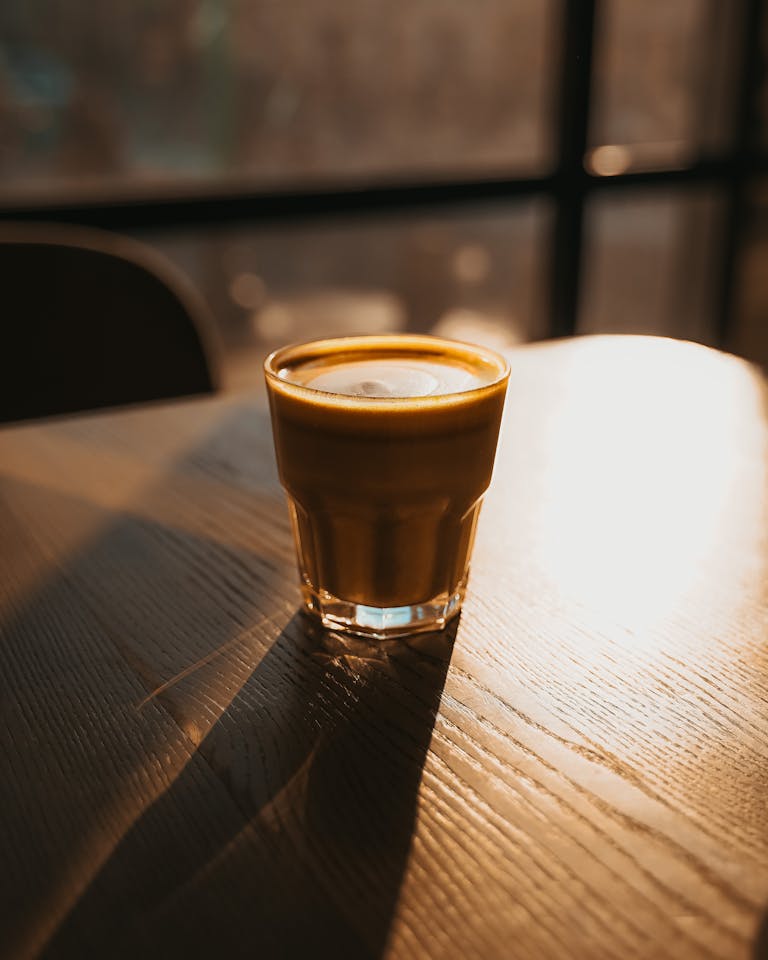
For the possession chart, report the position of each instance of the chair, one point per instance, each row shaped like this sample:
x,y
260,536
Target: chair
x,y
91,319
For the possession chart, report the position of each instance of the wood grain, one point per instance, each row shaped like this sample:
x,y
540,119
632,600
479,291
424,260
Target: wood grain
x,y
578,769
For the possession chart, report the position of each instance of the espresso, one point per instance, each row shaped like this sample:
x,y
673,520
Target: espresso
x,y
385,446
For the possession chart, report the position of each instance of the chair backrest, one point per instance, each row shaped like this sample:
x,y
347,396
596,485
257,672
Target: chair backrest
x,y
90,319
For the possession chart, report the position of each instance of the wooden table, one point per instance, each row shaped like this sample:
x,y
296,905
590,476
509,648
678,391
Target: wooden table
x,y
577,770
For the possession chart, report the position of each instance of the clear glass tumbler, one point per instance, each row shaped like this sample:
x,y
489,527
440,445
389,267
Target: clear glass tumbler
x,y
385,470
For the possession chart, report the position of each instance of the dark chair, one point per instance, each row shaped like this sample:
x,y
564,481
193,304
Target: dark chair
x,y
90,320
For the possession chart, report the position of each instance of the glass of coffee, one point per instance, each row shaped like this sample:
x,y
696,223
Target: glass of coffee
x,y
385,447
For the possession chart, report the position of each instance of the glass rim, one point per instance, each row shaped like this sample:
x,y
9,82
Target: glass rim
x,y
410,342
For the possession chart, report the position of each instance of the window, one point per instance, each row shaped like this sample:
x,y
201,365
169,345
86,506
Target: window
x,y
142,96
507,169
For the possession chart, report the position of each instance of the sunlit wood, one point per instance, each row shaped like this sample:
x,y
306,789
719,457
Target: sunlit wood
x,y
577,770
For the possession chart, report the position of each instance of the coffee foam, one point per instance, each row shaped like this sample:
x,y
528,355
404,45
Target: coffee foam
x,y
387,377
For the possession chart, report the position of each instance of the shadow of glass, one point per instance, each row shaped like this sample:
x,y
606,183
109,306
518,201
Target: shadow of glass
x,y
321,755
193,768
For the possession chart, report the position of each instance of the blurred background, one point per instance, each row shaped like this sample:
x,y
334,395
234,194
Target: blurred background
x,y
501,170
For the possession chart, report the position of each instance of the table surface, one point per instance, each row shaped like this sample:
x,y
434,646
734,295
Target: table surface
x,y
576,769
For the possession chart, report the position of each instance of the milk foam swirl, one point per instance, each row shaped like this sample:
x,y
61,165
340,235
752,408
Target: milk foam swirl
x,y
393,377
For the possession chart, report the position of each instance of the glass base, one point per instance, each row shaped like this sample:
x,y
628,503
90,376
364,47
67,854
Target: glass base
x,y
382,623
